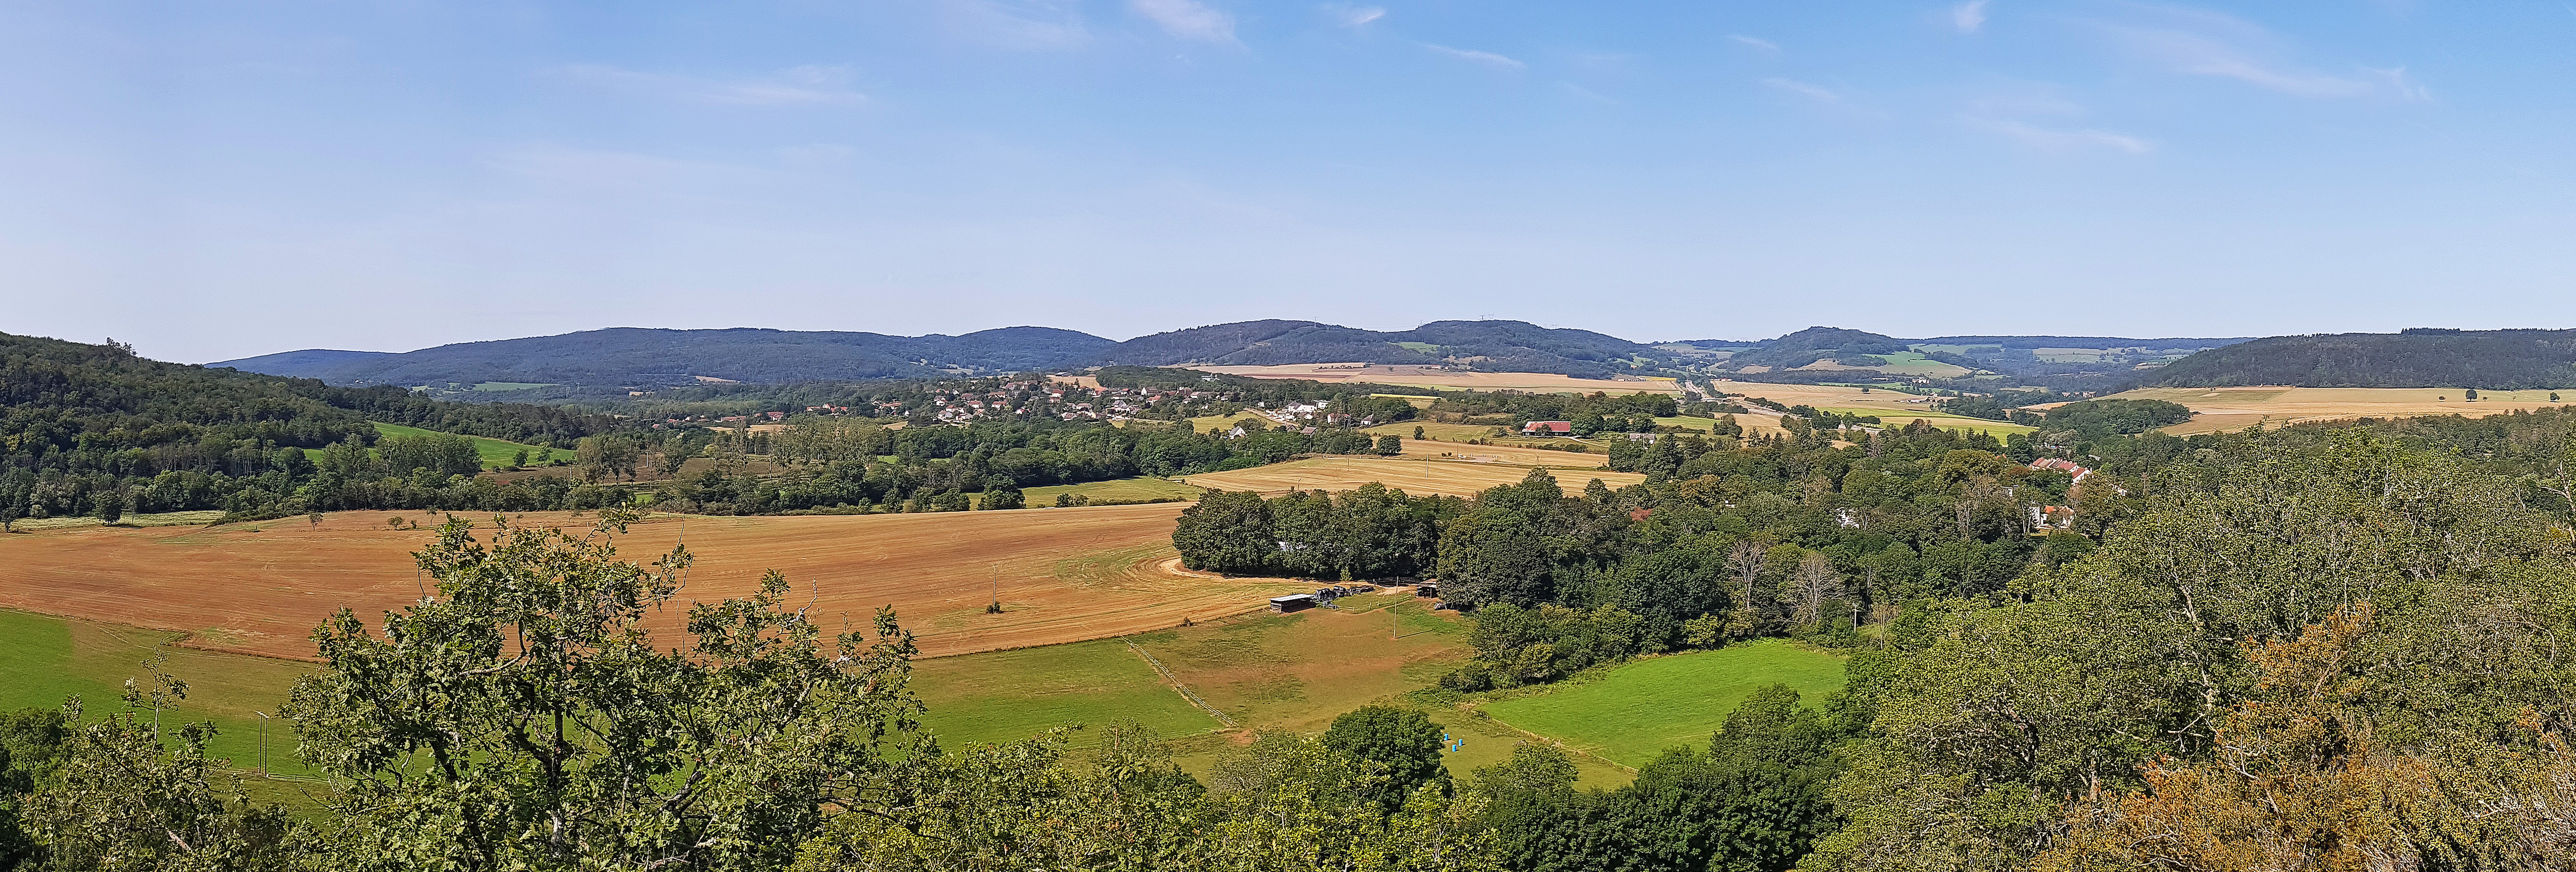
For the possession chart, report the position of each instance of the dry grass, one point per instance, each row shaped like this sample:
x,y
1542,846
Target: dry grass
x,y
1417,477
1435,377
1062,574
2229,409
1426,449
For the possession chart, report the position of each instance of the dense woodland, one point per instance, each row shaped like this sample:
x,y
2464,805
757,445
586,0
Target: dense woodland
x,y
2422,357
93,429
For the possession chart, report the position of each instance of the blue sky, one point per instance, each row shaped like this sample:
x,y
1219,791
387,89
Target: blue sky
x,y
213,180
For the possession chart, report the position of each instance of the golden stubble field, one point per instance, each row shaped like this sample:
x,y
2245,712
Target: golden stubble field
x,y
1416,477
1062,574
2217,410
1435,377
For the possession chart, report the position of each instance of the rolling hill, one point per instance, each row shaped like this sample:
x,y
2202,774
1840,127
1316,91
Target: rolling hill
x,y
630,357
1493,346
625,357
2414,358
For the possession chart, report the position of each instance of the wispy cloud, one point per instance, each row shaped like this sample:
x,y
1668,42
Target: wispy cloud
x,y
805,85
1968,17
2204,43
1013,24
1354,17
1754,42
1482,57
2405,87
1188,19
1818,93
2050,140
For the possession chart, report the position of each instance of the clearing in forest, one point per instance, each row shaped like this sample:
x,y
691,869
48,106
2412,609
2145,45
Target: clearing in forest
x,y
495,453
1635,711
1062,575
2216,410
1417,477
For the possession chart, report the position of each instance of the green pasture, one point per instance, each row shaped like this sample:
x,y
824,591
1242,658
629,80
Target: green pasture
x,y
1137,489
45,659
1914,363
495,453
1636,711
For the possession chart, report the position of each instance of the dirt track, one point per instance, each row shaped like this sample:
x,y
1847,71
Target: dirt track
x,y
1063,574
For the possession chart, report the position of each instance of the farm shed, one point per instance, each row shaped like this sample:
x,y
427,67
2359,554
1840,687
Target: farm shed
x,y
1292,602
1548,428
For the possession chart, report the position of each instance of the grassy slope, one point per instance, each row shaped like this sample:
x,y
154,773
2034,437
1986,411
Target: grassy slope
x,y
1637,710
1007,695
495,453
44,659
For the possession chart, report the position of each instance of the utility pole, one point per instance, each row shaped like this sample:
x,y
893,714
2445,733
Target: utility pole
x,y
263,742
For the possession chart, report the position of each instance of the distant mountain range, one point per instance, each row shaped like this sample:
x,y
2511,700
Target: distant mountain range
x,y
597,362
630,357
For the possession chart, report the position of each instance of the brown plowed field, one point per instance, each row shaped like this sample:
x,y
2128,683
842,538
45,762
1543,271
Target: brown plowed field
x,y
1063,574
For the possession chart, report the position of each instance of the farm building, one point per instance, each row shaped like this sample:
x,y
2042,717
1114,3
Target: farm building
x,y
1292,602
1548,428
2066,466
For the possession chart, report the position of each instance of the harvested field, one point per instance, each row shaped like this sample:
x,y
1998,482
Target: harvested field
x,y
1417,477
2229,409
1435,377
1432,449
1822,396
1063,574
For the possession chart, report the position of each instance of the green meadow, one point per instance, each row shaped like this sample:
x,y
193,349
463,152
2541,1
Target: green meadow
x,y
45,659
496,454
1635,711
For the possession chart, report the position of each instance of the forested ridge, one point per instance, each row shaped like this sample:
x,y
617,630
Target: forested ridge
x,y
93,428
2416,358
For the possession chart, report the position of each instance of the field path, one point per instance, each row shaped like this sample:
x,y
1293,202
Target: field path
x,y
1062,574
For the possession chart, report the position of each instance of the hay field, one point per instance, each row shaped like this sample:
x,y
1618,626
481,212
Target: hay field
x,y
1063,574
1417,477
2229,409
1432,449
1138,489
1435,377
